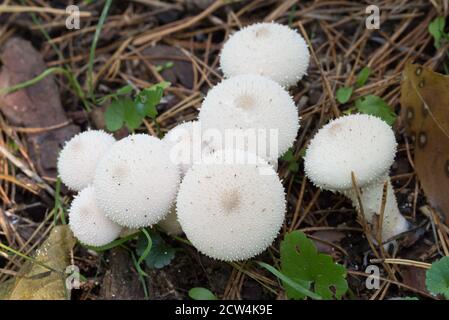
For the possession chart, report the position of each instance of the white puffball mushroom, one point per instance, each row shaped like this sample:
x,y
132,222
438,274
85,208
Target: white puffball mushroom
x,y
228,209
253,109
79,157
366,146
170,224
89,223
135,182
268,49
187,144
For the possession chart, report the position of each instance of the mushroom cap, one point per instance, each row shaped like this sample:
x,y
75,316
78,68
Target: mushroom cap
x,y
253,104
135,182
89,223
79,157
229,211
357,143
170,224
185,140
269,49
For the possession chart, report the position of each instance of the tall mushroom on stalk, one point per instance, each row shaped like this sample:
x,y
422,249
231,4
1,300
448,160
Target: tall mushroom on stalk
x,y
365,146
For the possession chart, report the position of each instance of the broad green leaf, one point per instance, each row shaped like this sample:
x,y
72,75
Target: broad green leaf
x,y
298,286
44,278
437,277
301,262
376,106
149,98
199,293
132,118
344,94
114,115
436,29
161,253
363,76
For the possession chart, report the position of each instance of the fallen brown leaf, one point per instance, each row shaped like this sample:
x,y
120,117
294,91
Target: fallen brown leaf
x,y
425,113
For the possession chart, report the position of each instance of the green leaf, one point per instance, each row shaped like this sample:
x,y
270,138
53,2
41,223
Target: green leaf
x,y
288,156
363,76
199,293
376,106
149,98
131,116
161,253
436,29
164,66
344,94
301,262
437,277
124,90
114,115
298,286
293,167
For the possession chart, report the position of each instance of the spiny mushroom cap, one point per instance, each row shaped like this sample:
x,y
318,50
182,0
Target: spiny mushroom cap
x,y
268,49
89,223
170,224
135,182
79,157
253,104
230,211
187,144
357,143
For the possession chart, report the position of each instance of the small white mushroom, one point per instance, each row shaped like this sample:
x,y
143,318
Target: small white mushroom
x,y
135,182
89,223
227,209
366,146
79,157
268,49
253,110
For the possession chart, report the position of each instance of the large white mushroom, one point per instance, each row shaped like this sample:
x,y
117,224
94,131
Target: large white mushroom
x,y
135,182
79,157
89,223
228,209
253,110
366,146
268,49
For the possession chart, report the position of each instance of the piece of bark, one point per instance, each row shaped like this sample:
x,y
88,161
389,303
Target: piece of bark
x,y
121,282
37,106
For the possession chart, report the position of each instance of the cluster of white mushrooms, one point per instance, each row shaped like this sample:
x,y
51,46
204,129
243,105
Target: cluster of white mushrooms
x,y
228,210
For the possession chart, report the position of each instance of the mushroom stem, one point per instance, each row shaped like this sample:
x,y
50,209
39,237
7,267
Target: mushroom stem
x,y
371,199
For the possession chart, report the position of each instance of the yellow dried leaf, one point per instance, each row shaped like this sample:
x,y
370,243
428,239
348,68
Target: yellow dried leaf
x,y
36,282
